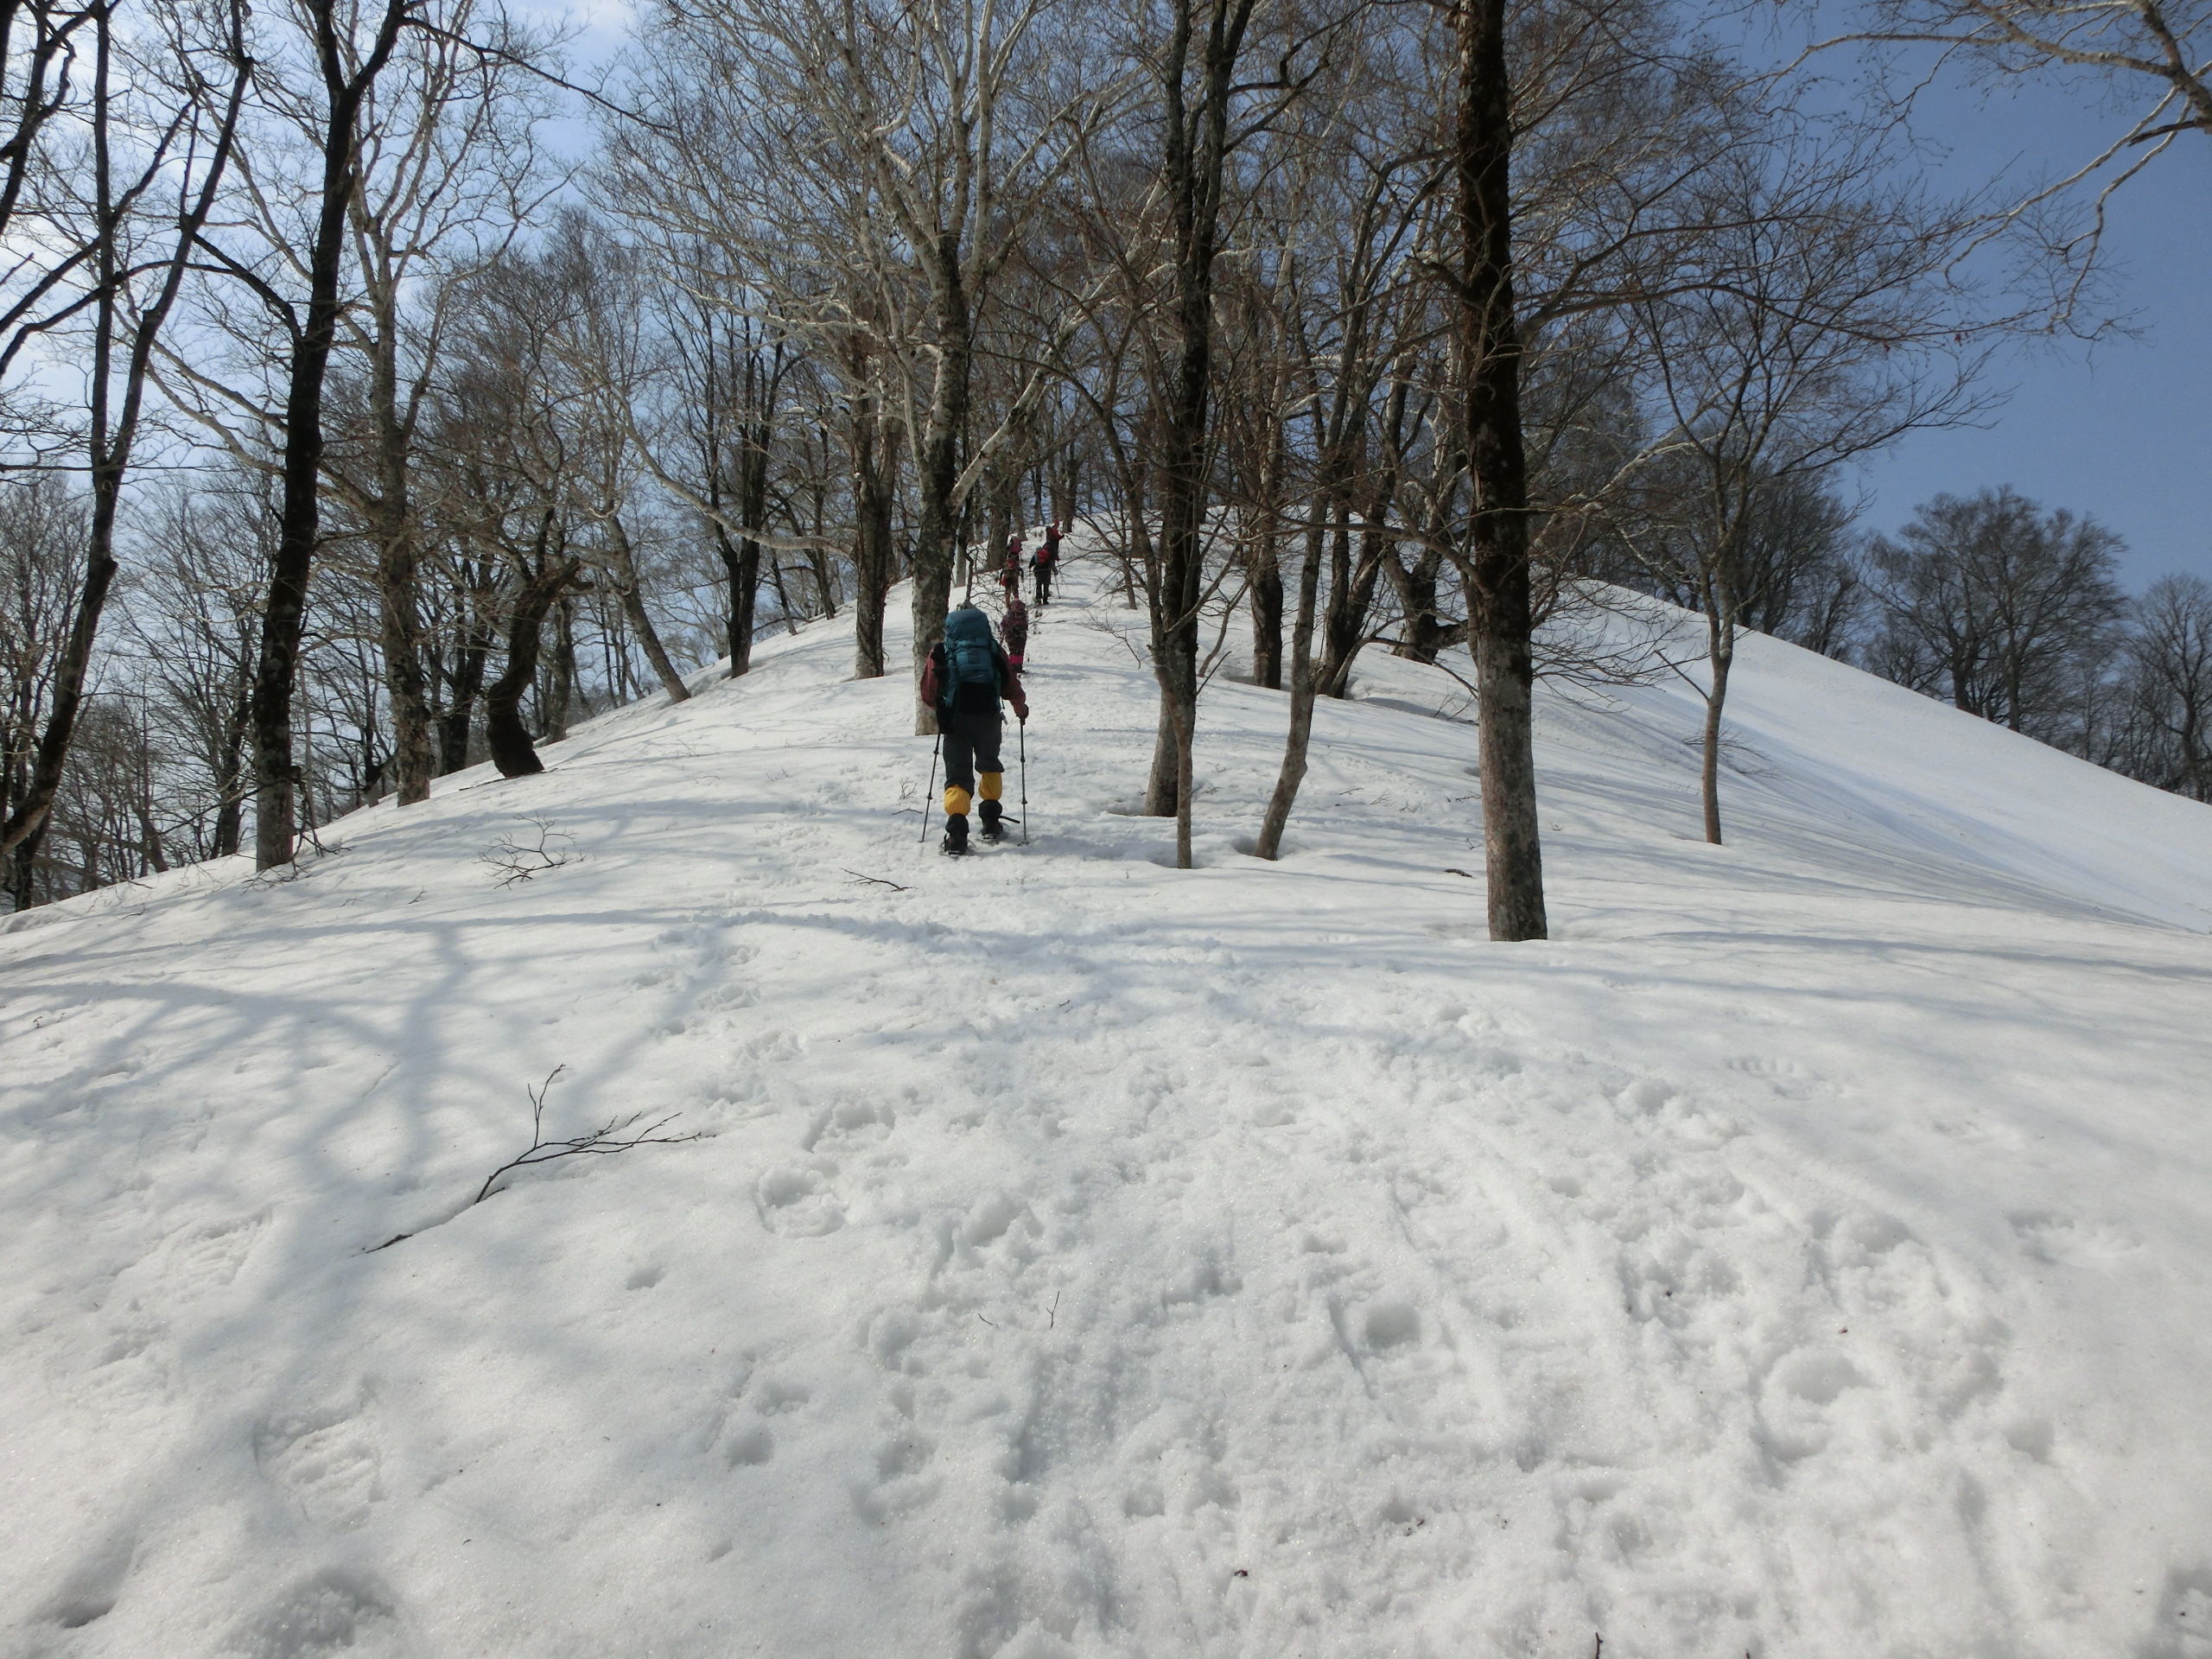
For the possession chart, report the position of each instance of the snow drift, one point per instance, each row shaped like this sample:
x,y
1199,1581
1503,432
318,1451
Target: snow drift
x,y
1805,1253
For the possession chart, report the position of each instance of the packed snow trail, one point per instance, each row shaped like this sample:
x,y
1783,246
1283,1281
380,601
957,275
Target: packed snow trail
x,y
1805,1253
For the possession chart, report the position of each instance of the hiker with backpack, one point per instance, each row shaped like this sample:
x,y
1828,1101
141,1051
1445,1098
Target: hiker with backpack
x,y
1010,573
1013,628
968,674
1046,562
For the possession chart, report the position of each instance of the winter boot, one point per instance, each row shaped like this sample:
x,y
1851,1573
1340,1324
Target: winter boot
x,y
994,831
956,835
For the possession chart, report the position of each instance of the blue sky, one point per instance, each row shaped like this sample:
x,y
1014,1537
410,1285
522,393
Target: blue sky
x,y
2120,430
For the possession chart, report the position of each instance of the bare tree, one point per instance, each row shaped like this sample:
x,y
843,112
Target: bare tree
x,y
448,175
149,129
41,567
519,438
1818,323
1347,336
1994,604
194,622
900,156
1488,344
345,50
2169,669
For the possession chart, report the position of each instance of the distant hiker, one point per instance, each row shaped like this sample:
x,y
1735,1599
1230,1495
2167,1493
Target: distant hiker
x,y
1010,573
1047,561
968,673
1013,628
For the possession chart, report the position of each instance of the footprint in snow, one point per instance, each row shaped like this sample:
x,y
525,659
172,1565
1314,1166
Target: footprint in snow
x,y
800,1202
327,1456
2045,1236
94,1585
207,1256
1786,1078
333,1612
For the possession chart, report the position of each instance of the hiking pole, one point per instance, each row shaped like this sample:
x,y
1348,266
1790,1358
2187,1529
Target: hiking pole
x,y
932,790
1022,738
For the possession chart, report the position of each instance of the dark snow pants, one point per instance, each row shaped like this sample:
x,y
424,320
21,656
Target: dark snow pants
x,y
972,747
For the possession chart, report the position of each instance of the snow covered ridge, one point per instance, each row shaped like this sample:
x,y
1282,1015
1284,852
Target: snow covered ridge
x,y
1807,1253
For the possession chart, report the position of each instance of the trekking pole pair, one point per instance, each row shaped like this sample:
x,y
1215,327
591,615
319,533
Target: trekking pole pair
x,y
1023,739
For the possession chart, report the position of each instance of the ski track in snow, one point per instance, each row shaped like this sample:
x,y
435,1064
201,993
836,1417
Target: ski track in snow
x,y
1805,1253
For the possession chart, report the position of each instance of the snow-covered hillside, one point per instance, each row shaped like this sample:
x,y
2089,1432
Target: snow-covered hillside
x,y
1807,1253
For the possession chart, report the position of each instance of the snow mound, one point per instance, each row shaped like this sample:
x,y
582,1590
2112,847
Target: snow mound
x,y
1805,1253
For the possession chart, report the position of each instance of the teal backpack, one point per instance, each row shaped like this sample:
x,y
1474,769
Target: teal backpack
x,y
969,657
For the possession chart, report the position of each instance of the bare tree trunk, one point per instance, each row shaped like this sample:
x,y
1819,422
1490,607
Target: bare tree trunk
x,y
472,654
399,609
400,627
1301,698
742,564
1267,616
1195,168
1500,602
875,561
1160,783
1352,593
634,609
1266,574
285,615
1136,540
1003,509
149,837
1423,632
938,532
760,384
1720,653
504,730
783,594
230,809
564,670
1059,484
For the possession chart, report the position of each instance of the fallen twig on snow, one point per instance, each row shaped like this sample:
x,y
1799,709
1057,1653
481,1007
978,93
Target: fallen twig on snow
x,y
878,880
513,861
611,1136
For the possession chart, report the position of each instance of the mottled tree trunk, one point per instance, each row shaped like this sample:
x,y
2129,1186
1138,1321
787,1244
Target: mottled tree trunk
x,y
937,536
1500,601
399,609
874,559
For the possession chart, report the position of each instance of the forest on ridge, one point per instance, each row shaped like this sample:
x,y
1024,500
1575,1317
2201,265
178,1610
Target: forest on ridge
x,y
384,390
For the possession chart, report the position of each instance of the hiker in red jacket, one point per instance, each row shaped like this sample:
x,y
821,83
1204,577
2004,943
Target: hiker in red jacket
x,y
1013,628
1010,573
1046,562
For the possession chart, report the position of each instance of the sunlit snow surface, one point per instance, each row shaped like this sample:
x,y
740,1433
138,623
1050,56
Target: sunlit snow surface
x,y
1806,1253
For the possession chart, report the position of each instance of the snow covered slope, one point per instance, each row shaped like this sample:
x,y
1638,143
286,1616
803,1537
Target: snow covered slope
x,y
1806,1253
